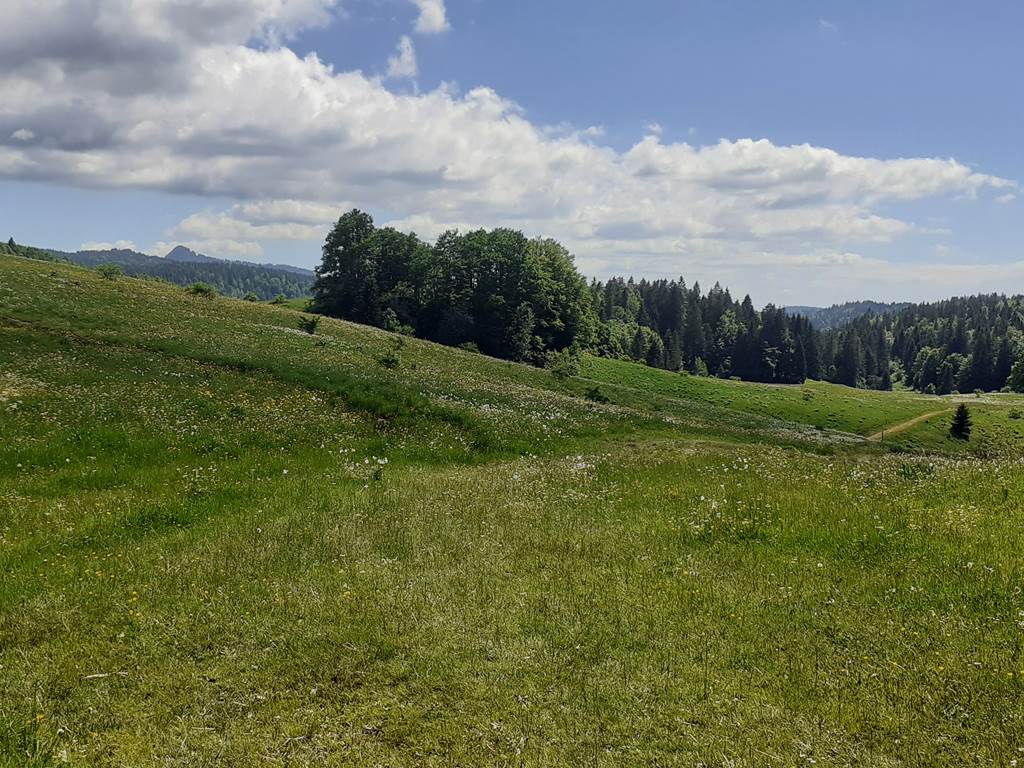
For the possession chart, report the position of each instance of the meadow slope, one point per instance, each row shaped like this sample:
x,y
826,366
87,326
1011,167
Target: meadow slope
x,y
228,542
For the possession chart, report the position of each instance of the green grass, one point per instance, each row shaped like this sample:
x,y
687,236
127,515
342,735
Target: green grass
x,y
300,304
820,404
226,542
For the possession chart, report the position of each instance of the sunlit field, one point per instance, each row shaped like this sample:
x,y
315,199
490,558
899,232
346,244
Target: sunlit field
x,y
224,541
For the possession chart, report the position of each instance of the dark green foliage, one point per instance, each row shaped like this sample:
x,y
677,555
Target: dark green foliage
x,y
564,363
667,325
961,426
309,324
251,296
110,271
839,315
958,345
594,393
279,299
510,296
204,290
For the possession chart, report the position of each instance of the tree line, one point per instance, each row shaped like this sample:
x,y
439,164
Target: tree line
x,y
523,299
956,345
497,291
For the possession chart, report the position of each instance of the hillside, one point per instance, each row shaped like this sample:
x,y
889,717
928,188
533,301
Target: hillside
x,y
964,344
838,315
227,542
182,266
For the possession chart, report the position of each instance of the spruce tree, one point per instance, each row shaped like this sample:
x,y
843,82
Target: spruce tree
x,y
961,426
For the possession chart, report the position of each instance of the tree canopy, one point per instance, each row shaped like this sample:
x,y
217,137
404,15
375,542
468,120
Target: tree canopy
x,y
522,299
509,296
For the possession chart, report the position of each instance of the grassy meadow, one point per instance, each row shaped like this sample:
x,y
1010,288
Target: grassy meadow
x,y
227,542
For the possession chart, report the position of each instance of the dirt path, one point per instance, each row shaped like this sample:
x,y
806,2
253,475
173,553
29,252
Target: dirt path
x,y
895,429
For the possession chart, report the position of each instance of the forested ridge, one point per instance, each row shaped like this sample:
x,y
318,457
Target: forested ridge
x,y
523,299
232,278
839,315
957,345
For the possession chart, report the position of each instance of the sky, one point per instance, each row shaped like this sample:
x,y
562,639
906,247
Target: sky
x,y
806,152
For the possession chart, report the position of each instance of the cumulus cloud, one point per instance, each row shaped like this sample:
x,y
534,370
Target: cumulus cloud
x,y
223,248
120,245
85,103
433,17
403,63
259,222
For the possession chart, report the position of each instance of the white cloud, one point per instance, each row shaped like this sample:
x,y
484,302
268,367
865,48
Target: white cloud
x,y
101,115
1009,197
433,17
217,247
403,63
120,245
259,221
23,134
829,26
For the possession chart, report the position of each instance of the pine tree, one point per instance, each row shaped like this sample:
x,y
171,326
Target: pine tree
x,y
849,364
638,350
961,426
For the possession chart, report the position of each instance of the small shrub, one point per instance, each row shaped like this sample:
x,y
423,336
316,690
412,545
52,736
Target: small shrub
x,y
564,364
279,299
204,290
808,394
594,393
110,271
390,358
309,324
250,296
470,346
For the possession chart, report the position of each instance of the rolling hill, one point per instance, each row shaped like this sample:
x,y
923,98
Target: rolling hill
x,y
183,266
839,315
227,541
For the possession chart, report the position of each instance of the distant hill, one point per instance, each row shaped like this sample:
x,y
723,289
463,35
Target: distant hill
x,y
184,266
838,315
186,255
182,254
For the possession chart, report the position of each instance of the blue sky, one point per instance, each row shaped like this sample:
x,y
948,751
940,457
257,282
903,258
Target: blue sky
x,y
805,152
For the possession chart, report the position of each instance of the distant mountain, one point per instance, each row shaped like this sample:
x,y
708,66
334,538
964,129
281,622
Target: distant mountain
x,y
187,255
839,315
184,266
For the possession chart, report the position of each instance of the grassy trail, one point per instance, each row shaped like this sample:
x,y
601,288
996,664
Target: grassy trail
x,y
895,429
